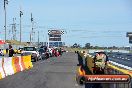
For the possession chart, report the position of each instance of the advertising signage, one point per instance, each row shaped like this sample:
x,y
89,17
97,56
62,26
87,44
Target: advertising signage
x,y
54,32
53,36
128,34
130,39
55,39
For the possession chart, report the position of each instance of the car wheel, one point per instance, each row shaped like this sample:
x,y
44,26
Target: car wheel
x,y
34,59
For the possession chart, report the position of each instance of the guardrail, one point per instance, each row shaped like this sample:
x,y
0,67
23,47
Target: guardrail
x,y
88,62
118,70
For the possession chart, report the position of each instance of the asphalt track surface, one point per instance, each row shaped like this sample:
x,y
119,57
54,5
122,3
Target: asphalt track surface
x,y
121,58
55,72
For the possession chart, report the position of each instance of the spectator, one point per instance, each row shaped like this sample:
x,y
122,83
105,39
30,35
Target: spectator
x,y
11,51
80,60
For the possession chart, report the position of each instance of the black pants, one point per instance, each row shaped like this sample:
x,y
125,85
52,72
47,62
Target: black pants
x,y
80,60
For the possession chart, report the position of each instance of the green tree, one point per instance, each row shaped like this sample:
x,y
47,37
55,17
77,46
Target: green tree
x,y
87,45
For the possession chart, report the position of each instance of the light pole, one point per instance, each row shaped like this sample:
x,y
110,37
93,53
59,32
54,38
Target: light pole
x,y
5,3
21,13
32,28
38,38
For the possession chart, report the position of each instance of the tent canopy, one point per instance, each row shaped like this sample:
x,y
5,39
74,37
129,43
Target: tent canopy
x,y
2,42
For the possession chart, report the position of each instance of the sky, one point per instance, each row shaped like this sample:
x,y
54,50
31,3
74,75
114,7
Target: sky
x,y
99,22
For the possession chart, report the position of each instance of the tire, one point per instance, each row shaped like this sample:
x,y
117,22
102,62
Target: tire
x,y
47,56
33,60
80,80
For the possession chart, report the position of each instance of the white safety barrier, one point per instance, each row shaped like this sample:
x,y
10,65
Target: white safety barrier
x,y
2,72
12,65
8,66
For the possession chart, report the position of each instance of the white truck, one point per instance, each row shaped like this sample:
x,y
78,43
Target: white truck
x,y
33,51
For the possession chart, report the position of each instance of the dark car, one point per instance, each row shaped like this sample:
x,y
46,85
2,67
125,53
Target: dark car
x,y
42,53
